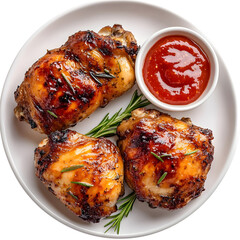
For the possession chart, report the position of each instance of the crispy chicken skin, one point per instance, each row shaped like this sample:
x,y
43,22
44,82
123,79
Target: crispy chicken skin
x,y
102,168
152,131
69,83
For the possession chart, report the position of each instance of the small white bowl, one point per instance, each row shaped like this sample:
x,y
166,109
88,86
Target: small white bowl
x,y
206,47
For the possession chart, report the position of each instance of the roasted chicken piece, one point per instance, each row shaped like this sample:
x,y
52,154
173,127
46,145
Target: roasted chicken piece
x,y
69,83
85,173
166,160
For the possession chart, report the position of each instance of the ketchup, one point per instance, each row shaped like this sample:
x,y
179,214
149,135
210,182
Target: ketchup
x,y
176,70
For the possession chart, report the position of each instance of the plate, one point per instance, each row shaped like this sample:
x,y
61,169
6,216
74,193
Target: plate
x,y
218,113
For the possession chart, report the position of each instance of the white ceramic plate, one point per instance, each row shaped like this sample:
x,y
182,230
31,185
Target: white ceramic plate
x,y
217,113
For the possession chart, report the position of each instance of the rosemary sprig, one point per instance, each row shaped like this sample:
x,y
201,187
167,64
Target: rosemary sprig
x,y
124,208
160,157
108,126
67,169
68,82
96,75
52,114
170,155
106,74
162,177
95,78
186,154
71,194
83,184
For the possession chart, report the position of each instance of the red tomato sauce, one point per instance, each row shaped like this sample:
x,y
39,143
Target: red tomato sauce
x,y
176,70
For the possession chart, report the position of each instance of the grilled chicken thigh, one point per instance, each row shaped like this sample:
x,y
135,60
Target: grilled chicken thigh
x,y
69,83
185,152
85,173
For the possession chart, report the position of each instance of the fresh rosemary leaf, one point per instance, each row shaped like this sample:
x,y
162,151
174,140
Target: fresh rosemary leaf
x,y
99,125
124,208
105,74
128,196
108,74
106,71
108,133
71,194
186,154
83,184
162,177
160,157
52,113
108,126
156,156
95,78
68,82
104,130
67,169
96,75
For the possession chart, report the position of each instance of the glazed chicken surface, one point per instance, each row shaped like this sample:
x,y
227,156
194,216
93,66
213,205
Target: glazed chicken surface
x,y
85,173
186,152
68,83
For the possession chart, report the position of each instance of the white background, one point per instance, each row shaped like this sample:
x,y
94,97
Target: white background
x,y
218,218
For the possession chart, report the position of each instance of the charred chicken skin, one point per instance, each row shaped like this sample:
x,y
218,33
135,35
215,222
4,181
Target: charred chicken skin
x,y
185,152
85,173
69,83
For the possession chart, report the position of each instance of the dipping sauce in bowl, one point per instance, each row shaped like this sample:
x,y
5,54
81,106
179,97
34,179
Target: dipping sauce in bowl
x,y
176,70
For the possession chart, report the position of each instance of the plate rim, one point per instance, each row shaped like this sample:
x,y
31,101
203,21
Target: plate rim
x,y
235,137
